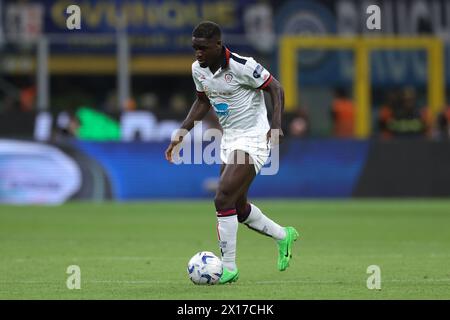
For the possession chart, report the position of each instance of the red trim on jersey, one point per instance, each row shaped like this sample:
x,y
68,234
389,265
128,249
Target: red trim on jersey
x,y
266,83
226,213
227,55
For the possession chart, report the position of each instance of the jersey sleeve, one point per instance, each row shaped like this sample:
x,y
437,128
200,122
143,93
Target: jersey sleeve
x,y
198,84
255,75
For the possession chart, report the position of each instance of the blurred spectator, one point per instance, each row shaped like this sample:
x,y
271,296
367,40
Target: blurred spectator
x,y
297,123
8,104
385,114
27,98
149,101
342,111
110,104
406,119
178,106
427,120
130,104
443,123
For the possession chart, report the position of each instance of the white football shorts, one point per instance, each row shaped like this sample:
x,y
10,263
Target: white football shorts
x,y
258,149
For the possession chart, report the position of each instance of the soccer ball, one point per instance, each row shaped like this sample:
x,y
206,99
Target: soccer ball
x,y
204,268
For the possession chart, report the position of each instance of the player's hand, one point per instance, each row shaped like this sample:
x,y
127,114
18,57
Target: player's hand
x,y
170,148
275,136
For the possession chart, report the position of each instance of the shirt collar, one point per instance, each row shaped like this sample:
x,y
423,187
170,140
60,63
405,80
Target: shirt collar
x,y
226,57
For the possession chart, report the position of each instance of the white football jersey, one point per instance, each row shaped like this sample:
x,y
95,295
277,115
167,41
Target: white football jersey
x,y
234,92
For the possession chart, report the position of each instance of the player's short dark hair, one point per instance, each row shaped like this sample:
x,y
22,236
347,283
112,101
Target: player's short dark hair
x,y
207,30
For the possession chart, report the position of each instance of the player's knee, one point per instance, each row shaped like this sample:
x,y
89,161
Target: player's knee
x,y
223,200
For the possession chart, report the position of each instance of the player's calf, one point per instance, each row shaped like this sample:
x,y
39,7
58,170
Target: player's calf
x,y
243,211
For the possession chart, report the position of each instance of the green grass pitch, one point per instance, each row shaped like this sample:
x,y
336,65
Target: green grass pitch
x,y
140,250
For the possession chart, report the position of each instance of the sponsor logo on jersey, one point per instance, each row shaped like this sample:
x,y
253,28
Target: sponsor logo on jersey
x,y
258,70
221,109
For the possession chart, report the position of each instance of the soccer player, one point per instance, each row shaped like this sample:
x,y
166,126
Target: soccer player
x,y
233,86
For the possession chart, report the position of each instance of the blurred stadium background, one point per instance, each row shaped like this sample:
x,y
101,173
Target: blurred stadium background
x,y
85,115
366,110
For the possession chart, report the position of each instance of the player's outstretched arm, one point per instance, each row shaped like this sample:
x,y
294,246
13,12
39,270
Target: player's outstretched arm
x,y
277,94
198,111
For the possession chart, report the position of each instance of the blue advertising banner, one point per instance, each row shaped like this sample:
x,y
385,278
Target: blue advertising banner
x,y
312,168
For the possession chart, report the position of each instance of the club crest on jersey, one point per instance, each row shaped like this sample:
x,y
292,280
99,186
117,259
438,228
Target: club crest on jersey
x,y
221,109
228,77
258,70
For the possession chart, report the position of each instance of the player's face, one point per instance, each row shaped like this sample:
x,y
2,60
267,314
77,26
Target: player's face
x,y
207,51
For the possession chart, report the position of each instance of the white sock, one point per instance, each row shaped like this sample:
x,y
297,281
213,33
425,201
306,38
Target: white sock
x,y
227,233
258,221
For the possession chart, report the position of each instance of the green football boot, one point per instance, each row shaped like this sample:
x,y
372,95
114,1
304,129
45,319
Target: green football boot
x,y
285,248
229,276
